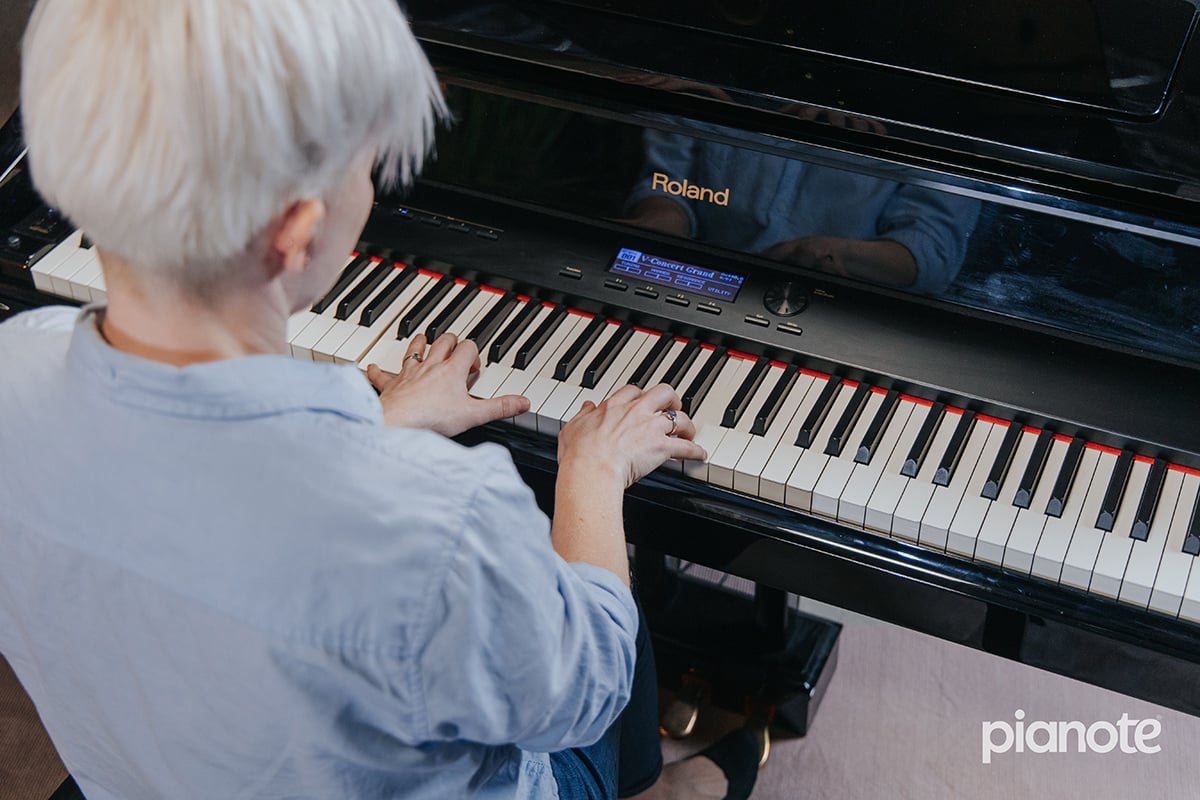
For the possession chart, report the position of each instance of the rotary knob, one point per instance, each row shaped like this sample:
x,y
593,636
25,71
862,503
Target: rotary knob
x,y
786,298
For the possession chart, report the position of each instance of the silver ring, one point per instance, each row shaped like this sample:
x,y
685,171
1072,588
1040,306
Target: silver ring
x,y
417,356
670,414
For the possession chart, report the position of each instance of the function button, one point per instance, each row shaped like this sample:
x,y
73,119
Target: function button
x,y
574,273
646,291
708,307
758,319
429,219
620,286
678,300
487,233
789,327
459,227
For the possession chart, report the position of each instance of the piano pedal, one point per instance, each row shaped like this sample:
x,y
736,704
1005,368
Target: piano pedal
x,y
678,719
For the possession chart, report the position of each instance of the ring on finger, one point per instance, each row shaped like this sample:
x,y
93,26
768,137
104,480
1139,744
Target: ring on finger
x,y
670,415
417,356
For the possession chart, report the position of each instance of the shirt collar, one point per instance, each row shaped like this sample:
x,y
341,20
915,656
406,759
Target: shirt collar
x,y
251,386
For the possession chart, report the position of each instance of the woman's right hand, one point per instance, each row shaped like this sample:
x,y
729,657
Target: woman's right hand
x,y
629,435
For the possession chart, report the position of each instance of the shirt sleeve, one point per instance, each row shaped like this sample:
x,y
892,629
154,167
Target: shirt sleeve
x,y
935,226
521,647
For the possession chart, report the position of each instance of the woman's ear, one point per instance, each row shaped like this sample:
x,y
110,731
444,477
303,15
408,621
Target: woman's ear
x,y
297,229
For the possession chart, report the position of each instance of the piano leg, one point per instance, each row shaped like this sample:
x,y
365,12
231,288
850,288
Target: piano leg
x,y
754,656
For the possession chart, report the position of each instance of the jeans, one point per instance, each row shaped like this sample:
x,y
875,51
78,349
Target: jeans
x,y
628,758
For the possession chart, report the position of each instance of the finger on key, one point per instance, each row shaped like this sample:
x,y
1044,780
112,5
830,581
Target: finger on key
x,y
442,347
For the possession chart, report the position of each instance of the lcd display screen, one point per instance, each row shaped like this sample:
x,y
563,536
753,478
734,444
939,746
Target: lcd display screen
x,y
677,275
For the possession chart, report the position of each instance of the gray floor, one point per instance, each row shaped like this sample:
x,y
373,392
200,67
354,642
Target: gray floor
x,y
903,718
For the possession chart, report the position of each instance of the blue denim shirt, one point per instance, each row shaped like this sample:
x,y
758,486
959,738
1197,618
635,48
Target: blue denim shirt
x,y
231,581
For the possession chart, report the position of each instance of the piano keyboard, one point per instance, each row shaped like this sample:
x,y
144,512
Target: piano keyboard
x,y
1115,524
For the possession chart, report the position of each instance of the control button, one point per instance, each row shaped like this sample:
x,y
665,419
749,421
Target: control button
x,y
429,219
789,327
487,234
708,307
758,319
785,299
678,300
643,291
458,227
574,273
620,286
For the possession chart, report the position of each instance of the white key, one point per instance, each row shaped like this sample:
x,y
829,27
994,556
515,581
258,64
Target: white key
x,y
812,461
327,348
1001,514
617,374
1190,608
1117,546
48,263
656,375
1079,562
1171,581
537,380
548,414
1138,583
906,521
827,493
881,505
301,344
1027,528
492,375
944,505
973,508
358,347
81,281
708,417
475,311
754,460
97,289
60,279
852,505
723,461
393,360
773,480
1051,552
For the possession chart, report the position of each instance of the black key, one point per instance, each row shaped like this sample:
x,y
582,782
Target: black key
x,y
849,418
608,353
575,353
365,288
704,380
381,301
1149,502
650,363
512,334
818,413
533,345
452,311
883,417
349,275
1066,478
486,328
1191,542
683,362
766,415
1115,492
745,393
920,447
1033,471
999,470
954,450
412,320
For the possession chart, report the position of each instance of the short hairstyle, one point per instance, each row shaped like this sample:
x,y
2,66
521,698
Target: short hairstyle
x,y
174,131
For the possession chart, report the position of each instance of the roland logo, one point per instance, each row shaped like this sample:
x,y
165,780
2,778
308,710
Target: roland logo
x,y
662,182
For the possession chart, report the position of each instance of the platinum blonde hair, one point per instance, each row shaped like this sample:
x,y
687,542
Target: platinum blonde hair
x,y
174,131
